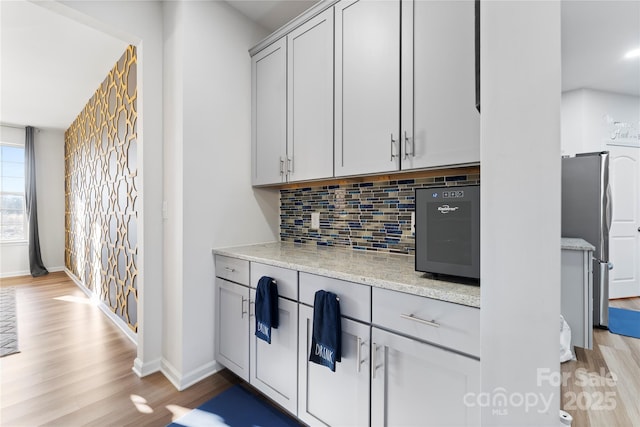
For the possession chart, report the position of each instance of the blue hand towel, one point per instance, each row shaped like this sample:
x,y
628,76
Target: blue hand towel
x,y
326,341
266,308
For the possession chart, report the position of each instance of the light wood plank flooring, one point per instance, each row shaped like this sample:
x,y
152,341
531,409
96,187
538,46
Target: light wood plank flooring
x,y
74,367
628,303
602,387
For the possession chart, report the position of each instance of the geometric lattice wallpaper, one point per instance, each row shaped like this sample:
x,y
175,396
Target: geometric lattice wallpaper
x,y
101,176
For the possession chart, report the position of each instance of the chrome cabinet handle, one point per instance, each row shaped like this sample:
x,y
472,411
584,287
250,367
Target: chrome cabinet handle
x,y
406,141
419,320
393,141
254,309
406,146
289,165
358,360
229,269
374,366
281,166
242,307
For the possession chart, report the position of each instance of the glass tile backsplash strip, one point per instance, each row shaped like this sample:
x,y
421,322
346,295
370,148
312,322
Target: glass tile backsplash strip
x,y
371,216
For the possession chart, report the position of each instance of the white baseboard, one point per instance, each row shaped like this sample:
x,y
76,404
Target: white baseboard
x,y
15,274
28,273
182,382
103,307
143,369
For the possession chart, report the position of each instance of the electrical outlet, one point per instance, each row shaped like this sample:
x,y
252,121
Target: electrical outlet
x,y
413,222
315,220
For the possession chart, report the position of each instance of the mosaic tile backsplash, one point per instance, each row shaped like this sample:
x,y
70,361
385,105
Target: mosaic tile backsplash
x,y
369,216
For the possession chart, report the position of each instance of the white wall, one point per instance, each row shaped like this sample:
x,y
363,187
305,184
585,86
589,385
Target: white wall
x,y
520,210
584,128
173,183
50,192
49,149
210,198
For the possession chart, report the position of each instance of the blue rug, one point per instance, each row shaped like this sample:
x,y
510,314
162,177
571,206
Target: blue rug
x,y
624,322
235,407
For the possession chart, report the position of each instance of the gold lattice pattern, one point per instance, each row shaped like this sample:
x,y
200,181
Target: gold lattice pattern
x,y
101,175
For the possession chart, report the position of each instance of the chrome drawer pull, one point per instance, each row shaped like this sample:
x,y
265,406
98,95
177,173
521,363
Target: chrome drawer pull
x,y
374,366
419,320
230,269
358,361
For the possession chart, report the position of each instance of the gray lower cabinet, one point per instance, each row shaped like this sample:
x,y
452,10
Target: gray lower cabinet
x,y
418,384
406,360
274,366
339,398
232,327
576,295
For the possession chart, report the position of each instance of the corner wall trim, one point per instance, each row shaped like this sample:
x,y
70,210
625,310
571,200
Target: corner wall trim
x,y
182,382
103,307
142,369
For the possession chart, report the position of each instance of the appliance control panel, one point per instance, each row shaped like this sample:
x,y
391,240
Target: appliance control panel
x,y
451,194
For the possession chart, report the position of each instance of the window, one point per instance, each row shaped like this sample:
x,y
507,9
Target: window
x,y
12,208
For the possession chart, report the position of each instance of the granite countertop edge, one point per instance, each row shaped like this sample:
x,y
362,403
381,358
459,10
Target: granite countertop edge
x,y
417,284
576,244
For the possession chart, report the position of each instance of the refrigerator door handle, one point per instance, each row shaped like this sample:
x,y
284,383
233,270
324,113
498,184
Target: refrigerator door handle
x,y
609,264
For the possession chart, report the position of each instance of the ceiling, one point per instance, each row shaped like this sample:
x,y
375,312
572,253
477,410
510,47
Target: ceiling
x,y
596,35
51,65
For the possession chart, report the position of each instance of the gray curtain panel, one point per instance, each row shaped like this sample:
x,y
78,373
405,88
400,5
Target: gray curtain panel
x,y
35,259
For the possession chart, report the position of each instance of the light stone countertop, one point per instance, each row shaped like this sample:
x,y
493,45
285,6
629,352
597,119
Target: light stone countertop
x,y
575,244
382,270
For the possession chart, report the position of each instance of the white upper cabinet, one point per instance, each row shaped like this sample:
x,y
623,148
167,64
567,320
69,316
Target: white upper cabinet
x,y
367,87
440,124
269,114
310,99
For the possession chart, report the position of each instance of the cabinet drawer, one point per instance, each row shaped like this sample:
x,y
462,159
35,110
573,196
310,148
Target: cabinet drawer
x,y
287,280
233,269
439,322
355,299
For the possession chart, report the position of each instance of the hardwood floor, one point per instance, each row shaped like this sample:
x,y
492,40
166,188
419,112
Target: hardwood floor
x,y
628,303
602,386
74,367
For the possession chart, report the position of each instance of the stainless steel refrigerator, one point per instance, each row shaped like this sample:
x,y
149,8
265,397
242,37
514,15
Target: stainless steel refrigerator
x,y
586,213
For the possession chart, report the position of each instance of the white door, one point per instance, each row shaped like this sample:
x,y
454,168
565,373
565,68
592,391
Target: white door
x,y
367,87
624,237
339,398
269,114
440,123
274,367
232,327
417,384
310,99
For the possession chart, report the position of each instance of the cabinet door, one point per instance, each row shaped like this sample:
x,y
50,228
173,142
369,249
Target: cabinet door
x,y
232,327
310,99
367,87
339,398
416,384
269,114
274,367
441,125
576,295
